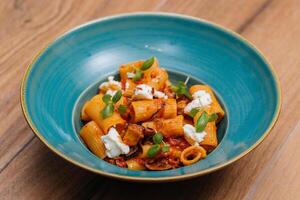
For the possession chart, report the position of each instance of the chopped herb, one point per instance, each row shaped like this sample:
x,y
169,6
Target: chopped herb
x,y
117,96
181,89
165,148
147,64
122,109
154,149
106,98
193,112
108,110
201,122
138,75
157,138
212,117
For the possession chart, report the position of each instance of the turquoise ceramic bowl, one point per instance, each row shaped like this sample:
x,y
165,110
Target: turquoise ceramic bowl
x,y
68,71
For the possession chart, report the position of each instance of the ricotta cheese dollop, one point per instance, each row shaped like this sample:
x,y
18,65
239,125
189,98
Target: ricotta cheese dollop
x,y
113,144
143,91
110,84
191,135
201,98
159,94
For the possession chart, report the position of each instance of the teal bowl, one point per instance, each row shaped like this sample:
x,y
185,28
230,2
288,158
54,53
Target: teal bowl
x,y
68,71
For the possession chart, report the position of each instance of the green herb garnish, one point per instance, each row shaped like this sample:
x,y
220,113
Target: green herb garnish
x,y
165,148
153,151
139,71
203,120
117,96
106,98
193,112
213,117
138,74
122,109
156,148
180,89
109,108
147,64
157,138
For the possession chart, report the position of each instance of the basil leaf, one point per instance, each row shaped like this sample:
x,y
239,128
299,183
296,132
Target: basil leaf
x,y
212,117
157,138
155,149
181,89
193,112
106,98
147,64
174,88
117,96
187,94
181,84
165,148
122,109
138,75
107,111
201,122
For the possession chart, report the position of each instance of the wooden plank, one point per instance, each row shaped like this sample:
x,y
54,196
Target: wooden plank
x,y
40,174
280,178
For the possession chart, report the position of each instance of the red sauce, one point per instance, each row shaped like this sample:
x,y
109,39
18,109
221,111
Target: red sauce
x,y
178,142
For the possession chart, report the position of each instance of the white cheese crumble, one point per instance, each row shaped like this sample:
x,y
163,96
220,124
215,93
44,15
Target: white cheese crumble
x,y
113,144
110,84
130,74
111,92
143,91
191,134
201,99
126,85
204,97
160,94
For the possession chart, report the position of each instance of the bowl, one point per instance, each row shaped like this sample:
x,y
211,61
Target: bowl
x,y
68,71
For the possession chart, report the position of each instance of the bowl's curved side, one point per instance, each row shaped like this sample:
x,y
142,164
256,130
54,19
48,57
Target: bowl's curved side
x,y
155,179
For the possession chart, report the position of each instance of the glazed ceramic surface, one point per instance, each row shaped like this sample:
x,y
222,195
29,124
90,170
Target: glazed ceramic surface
x,y
69,70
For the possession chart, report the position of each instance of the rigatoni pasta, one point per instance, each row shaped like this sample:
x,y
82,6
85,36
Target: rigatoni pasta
x,y
145,122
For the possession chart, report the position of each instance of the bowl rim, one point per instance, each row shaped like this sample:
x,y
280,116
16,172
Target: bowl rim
x,y
154,179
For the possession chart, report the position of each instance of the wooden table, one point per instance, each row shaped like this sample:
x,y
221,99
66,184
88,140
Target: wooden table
x,y
28,170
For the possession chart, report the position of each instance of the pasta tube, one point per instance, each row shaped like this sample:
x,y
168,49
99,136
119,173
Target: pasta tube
x,y
145,149
168,127
170,109
215,106
93,110
192,154
134,164
129,67
90,133
129,87
144,109
133,134
84,116
155,76
210,140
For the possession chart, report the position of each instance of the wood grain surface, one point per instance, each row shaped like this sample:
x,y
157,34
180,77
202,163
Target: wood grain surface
x,y
28,170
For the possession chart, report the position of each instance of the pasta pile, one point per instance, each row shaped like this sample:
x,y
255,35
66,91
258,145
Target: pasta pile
x,y
144,122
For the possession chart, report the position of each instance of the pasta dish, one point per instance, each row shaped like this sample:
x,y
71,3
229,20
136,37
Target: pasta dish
x,y
144,122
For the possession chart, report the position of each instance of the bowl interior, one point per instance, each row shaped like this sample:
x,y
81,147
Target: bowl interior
x,y
174,77
69,70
